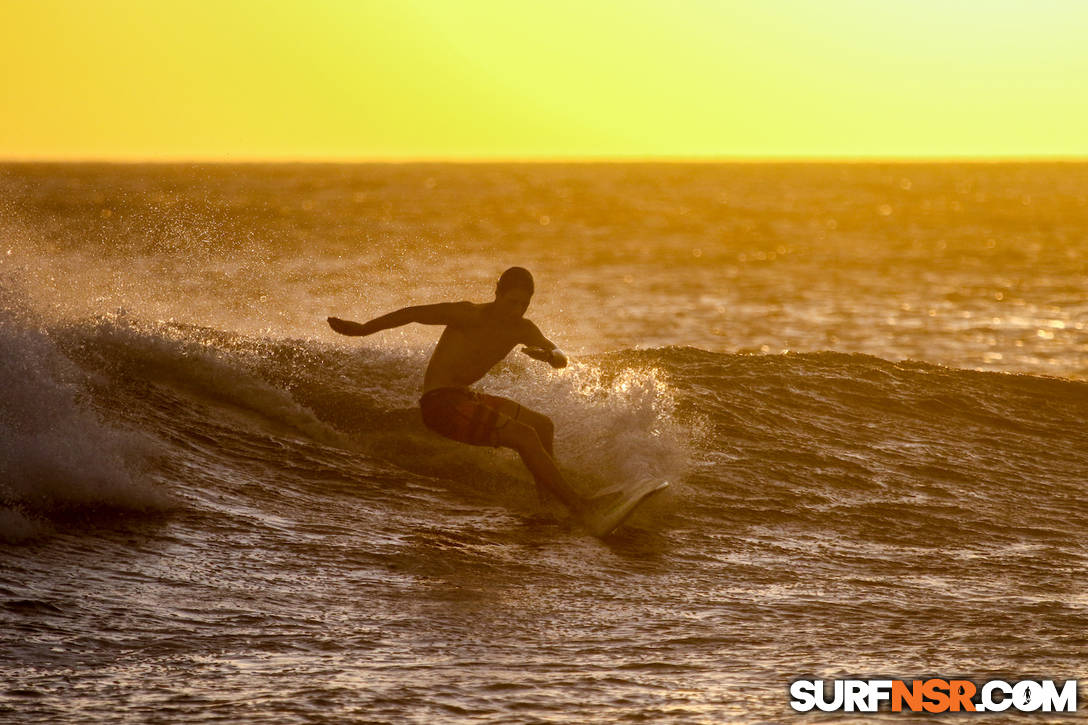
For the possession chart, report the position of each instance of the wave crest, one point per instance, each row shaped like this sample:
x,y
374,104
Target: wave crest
x,y
56,453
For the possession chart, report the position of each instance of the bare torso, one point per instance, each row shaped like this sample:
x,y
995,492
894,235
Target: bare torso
x,y
465,352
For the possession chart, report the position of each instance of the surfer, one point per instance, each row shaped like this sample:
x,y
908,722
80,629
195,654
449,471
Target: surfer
x,y
477,336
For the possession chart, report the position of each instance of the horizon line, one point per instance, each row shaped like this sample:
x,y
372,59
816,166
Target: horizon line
x,y
632,159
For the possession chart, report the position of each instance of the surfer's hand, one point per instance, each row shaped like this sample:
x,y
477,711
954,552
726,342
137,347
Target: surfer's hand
x,y
345,327
554,357
537,353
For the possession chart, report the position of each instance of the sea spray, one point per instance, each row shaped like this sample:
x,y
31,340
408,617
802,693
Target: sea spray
x,y
56,453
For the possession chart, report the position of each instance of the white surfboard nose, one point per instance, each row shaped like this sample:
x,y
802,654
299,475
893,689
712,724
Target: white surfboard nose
x,y
604,513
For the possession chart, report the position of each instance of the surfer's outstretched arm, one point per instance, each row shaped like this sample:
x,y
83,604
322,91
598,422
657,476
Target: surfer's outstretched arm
x,y
445,313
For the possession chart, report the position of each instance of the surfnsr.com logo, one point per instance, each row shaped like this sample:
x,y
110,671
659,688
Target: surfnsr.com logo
x,y
934,695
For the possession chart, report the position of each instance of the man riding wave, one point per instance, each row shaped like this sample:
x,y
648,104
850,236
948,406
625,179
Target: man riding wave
x,y
477,336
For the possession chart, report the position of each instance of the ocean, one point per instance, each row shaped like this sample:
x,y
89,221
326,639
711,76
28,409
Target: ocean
x,y
866,382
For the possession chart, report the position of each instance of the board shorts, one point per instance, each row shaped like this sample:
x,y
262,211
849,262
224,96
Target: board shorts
x,y
465,415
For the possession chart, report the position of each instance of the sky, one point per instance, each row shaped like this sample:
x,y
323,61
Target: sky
x,y
561,79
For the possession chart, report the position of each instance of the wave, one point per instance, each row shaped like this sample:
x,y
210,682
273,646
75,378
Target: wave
x,y
117,412
363,400
900,453
57,456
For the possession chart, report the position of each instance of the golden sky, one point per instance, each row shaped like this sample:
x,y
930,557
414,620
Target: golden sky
x,y
477,79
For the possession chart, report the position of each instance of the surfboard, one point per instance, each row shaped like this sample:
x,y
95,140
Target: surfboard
x,y
603,513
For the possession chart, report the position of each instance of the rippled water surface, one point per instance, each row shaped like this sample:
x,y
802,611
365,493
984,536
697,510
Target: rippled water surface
x,y
866,384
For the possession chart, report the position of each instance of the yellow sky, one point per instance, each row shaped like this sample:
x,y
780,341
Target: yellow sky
x,y
453,79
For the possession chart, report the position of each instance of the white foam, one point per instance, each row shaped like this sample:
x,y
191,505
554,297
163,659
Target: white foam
x,y
55,452
612,427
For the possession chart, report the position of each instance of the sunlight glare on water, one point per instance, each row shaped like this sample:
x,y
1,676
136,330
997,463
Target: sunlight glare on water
x,y
865,384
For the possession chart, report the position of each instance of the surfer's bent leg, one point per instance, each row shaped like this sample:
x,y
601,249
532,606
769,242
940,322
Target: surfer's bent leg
x,y
523,438
542,424
479,419
545,429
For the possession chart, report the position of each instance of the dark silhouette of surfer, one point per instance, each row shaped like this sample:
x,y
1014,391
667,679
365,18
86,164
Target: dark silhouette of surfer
x,y
477,336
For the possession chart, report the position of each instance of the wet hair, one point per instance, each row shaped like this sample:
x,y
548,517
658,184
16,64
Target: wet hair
x,y
515,278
